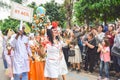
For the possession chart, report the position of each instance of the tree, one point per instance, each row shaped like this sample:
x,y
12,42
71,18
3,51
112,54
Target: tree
x,y
9,24
90,10
55,12
69,11
3,4
83,11
18,1
107,9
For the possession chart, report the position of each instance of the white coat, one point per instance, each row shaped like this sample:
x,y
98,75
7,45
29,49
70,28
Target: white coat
x,y
20,57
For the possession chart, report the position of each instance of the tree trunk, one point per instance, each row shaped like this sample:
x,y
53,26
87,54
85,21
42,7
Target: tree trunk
x,y
69,10
86,20
105,19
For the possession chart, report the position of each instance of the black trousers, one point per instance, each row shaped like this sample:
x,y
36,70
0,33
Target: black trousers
x,y
115,64
65,52
90,61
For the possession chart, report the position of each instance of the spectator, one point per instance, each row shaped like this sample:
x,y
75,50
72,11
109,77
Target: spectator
x,y
77,59
117,57
105,58
90,52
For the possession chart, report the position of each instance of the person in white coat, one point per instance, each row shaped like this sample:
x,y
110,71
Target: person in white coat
x,y
8,53
1,41
5,37
21,56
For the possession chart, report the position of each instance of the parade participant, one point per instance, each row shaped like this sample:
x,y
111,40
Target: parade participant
x,y
4,47
20,58
32,43
8,53
1,41
105,58
53,55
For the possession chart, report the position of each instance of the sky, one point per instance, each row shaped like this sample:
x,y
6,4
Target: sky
x,y
44,1
4,13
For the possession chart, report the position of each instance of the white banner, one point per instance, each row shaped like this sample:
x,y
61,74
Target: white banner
x,y
20,12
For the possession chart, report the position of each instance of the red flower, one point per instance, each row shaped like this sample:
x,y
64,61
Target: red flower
x,y
54,24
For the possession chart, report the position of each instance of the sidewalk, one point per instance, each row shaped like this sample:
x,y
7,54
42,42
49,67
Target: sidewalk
x,y
81,76
2,74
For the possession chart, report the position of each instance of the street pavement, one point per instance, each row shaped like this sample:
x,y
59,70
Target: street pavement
x,y
70,76
2,71
81,76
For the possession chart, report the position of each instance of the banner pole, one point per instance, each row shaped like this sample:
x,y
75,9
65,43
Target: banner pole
x,y
21,24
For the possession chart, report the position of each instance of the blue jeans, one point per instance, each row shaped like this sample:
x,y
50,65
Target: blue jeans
x,y
105,66
24,76
5,63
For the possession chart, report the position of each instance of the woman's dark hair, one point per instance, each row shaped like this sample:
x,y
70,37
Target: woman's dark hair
x,y
107,43
58,38
91,34
64,32
50,35
101,26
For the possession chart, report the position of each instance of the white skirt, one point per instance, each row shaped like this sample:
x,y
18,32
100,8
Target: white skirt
x,y
63,67
77,58
51,69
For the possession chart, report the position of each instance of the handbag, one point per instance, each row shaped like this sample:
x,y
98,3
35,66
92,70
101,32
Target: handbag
x,y
115,51
71,53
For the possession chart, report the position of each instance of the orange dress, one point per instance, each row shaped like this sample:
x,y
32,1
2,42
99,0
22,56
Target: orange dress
x,y
36,70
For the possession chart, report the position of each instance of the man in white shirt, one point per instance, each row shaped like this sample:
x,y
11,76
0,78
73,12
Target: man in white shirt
x,y
21,56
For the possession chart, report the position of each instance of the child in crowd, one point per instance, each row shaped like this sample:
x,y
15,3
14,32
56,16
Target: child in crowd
x,y
105,58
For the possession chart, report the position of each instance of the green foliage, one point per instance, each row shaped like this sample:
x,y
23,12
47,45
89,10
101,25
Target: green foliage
x,y
3,4
104,10
18,1
55,12
34,6
9,24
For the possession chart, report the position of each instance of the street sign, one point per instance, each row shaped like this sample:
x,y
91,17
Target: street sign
x,y
21,12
